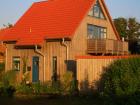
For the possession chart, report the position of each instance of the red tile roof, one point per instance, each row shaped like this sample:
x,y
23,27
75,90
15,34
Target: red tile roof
x,y
49,19
30,41
3,33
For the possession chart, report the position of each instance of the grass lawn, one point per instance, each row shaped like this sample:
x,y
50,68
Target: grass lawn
x,y
68,100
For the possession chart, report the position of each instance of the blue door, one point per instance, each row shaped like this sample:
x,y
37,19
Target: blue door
x,y
35,69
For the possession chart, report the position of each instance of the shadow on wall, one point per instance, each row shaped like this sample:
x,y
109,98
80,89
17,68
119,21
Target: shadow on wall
x,y
93,86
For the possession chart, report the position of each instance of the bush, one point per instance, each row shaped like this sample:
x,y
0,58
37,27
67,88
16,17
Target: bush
x,y
122,78
24,89
66,86
7,83
50,88
7,90
36,88
2,66
9,78
68,83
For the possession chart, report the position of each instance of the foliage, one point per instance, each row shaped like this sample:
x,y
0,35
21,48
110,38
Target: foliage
x,y
25,77
8,80
66,81
24,89
7,90
66,86
2,67
127,28
38,88
122,78
9,77
121,26
133,31
130,30
25,62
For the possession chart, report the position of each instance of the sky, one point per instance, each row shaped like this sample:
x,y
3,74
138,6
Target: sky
x,y
12,10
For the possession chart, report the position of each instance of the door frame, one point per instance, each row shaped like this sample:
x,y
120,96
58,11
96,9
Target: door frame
x,y
35,69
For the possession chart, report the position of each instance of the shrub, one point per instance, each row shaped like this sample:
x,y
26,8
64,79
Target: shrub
x,y
36,88
9,78
24,89
67,82
2,66
7,90
66,86
51,88
122,78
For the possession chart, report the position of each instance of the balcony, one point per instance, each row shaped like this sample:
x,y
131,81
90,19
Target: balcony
x,y
107,46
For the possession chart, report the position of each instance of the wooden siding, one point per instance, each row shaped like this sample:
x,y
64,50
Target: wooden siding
x,y
2,53
1,59
90,69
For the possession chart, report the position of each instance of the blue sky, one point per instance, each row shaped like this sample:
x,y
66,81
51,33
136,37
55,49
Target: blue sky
x,y
12,10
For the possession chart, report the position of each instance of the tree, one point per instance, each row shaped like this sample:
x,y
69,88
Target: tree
x,y
130,30
121,26
133,31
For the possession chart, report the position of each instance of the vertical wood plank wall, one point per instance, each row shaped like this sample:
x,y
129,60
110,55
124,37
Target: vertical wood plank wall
x,y
1,59
90,70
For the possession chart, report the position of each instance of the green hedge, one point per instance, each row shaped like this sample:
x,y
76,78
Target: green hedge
x,y
122,78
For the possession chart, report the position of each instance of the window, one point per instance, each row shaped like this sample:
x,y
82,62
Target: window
x,y
96,32
16,63
54,68
96,11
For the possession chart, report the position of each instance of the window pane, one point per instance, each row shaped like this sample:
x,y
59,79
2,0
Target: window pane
x,y
96,11
90,31
96,32
16,63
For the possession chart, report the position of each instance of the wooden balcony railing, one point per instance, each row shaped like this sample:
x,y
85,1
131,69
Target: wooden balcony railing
x,y
107,46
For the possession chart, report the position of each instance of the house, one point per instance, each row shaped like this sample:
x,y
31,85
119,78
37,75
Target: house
x,y
48,37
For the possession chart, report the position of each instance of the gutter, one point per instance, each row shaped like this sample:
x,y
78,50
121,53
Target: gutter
x,y
40,53
67,49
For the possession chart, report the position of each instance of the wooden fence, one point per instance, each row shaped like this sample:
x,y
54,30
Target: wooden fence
x,y
90,68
